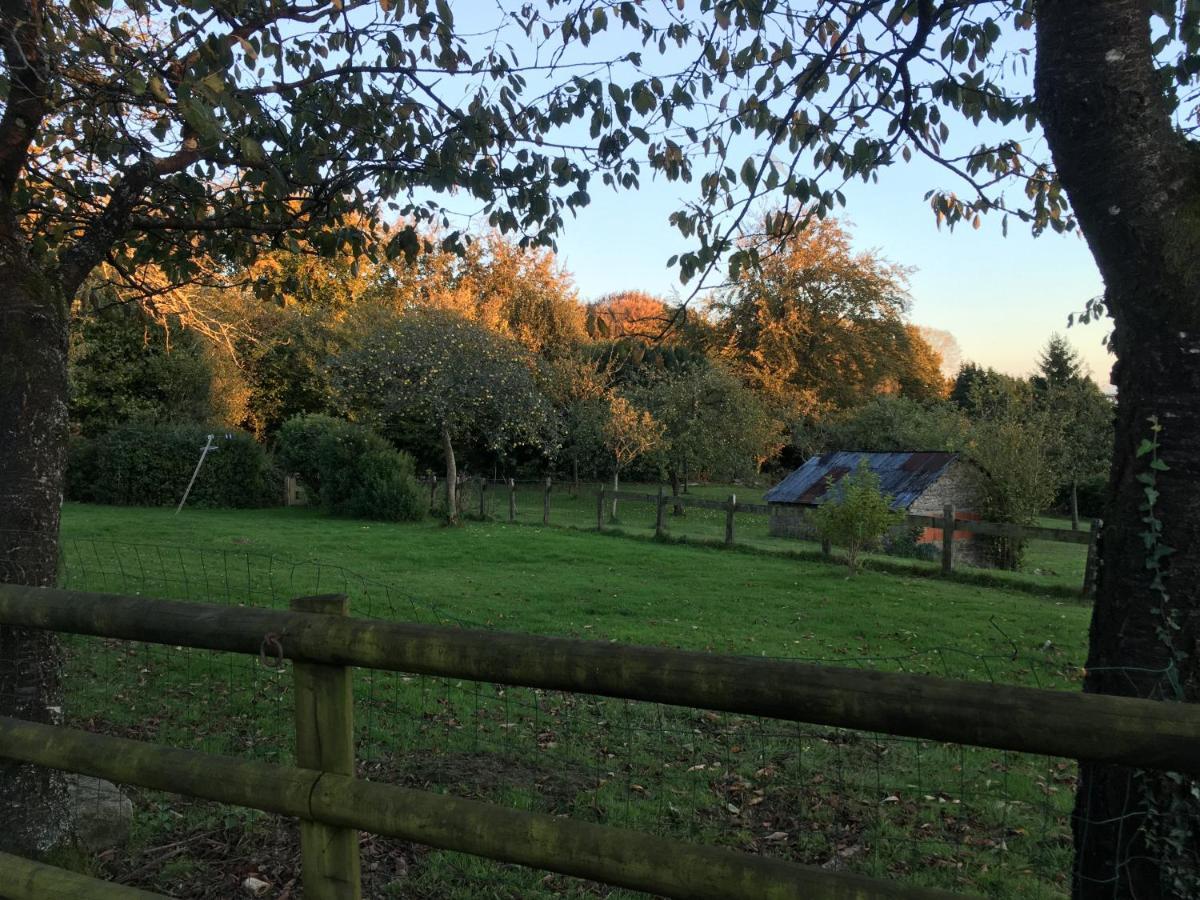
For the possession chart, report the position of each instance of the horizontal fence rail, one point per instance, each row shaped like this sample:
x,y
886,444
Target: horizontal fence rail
x,y
617,856
1092,727
992,529
24,879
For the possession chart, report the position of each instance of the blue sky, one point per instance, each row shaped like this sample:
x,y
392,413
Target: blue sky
x,y
1001,297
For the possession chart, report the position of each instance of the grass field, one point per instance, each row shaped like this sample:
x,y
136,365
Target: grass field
x,y
968,819
1047,566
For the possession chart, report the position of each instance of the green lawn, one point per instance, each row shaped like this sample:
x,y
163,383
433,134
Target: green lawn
x,y
1047,566
957,817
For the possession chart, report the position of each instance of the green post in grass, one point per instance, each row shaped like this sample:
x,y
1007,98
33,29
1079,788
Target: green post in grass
x,y
730,508
512,500
659,514
546,503
600,509
329,857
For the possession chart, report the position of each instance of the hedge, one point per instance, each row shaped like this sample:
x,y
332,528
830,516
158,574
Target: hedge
x,y
150,465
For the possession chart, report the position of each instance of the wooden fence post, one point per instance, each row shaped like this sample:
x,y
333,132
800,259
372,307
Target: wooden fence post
x,y
432,491
482,498
1092,570
659,511
729,510
600,509
947,539
512,500
546,503
324,697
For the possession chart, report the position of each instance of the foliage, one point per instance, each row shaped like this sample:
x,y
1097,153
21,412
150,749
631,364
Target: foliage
x,y
1083,419
714,427
364,476
819,327
893,423
629,314
1015,453
629,432
150,465
1059,365
434,371
523,294
855,515
127,367
296,446
981,392
350,469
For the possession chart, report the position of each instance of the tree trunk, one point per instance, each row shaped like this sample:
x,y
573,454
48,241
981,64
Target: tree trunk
x,y
678,511
1074,505
616,487
451,478
1134,183
33,440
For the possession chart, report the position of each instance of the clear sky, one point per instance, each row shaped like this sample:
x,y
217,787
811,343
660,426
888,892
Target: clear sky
x,y
1001,297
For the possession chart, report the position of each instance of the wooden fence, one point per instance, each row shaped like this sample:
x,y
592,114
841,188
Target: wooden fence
x,y
333,805
948,524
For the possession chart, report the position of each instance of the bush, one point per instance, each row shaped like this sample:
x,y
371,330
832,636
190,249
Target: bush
x,y
150,465
296,447
83,473
856,515
350,469
906,543
386,488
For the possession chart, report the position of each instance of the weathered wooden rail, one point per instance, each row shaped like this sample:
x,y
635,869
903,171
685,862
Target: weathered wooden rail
x,y
326,795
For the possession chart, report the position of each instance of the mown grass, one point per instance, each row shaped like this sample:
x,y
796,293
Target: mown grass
x,y
927,813
1047,566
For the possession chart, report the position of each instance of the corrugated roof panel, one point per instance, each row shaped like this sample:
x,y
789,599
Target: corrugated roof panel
x,y
905,476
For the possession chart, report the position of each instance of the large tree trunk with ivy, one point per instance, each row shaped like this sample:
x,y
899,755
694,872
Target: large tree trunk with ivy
x,y
33,432
1134,183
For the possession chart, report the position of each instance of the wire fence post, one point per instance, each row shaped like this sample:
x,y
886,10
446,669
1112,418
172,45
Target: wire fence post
x,y
512,500
660,513
546,503
329,857
482,498
1091,570
729,511
948,539
600,509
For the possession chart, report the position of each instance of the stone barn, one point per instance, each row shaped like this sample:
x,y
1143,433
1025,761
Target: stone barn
x,y
919,483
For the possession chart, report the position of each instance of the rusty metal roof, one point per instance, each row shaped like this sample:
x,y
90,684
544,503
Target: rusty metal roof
x,y
905,476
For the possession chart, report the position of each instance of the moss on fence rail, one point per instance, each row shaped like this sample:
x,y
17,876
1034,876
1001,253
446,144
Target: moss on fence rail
x,y
617,856
1143,733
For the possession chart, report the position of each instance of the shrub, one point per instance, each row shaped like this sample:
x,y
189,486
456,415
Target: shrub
x,y
906,542
350,469
83,472
855,515
296,447
150,465
386,488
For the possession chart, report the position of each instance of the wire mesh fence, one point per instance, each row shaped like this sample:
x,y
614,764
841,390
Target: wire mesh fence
x,y
1047,565
923,812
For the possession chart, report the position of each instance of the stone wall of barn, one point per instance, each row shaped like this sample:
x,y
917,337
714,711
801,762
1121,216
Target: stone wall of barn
x,y
957,486
790,521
